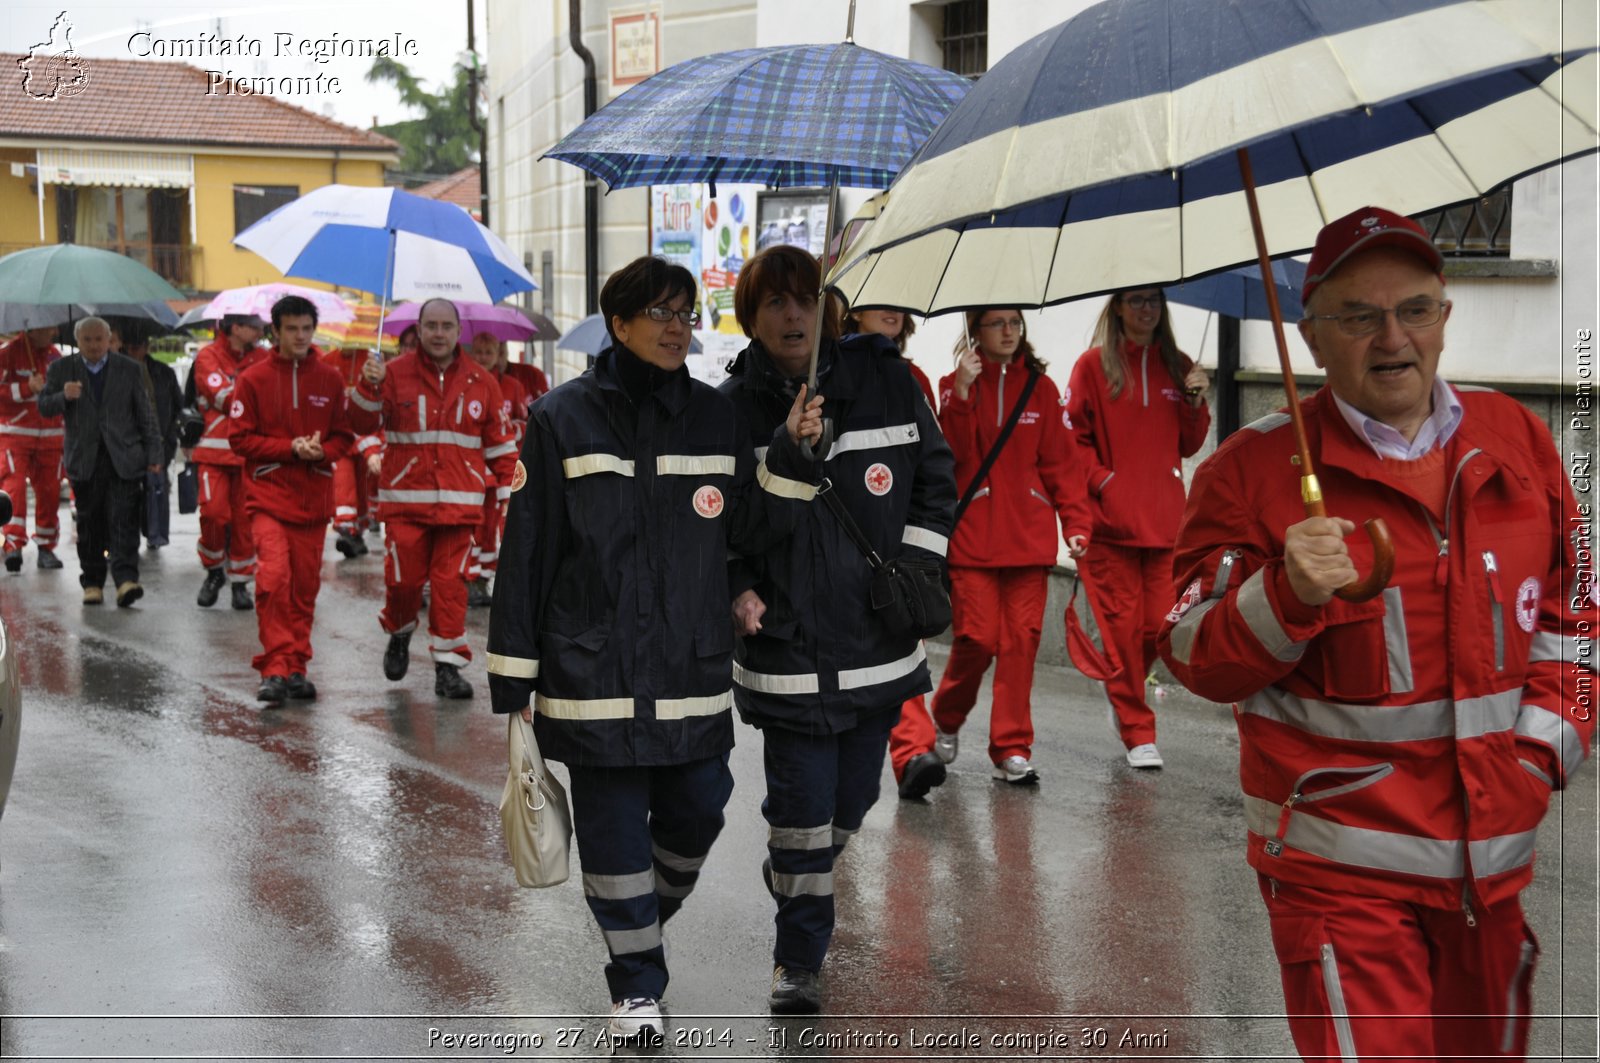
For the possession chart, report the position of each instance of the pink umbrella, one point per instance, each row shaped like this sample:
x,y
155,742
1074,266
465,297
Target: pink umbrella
x,y
501,322
257,300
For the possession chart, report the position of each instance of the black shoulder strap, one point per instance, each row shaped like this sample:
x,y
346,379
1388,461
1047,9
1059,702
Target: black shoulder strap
x,y
851,528
994,451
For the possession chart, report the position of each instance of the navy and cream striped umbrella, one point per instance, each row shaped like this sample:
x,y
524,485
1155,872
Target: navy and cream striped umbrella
x,y
1101,154
815,114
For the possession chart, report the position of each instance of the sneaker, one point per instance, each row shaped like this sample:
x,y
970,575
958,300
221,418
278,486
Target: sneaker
x,y
637,1018
13,560
1017,771
241,597
212,587
300,688
923,772
397,657
93,596
273,690
478,596
945,746
447,682
795,992
48,558
128,593
348,545
1145,756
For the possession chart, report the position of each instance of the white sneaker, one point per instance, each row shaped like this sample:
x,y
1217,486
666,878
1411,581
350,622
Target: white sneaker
x,y
945,747
1145,756
635,1018
1016,770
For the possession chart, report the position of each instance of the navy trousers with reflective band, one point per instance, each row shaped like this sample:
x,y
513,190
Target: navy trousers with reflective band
x,y
819,787
643,834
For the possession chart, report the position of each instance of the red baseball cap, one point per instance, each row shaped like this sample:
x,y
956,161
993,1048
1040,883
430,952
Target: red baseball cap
x,y
1360,230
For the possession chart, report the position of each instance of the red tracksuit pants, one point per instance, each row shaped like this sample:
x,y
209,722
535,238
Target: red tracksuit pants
x,y
435,554
287,580
912,735
22,461
1132,590
225,528
485,554
1371,978
997,615
350,491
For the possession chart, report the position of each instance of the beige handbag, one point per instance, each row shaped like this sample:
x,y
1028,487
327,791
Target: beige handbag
x,y
534,813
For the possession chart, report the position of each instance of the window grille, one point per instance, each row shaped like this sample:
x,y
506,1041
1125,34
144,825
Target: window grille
x,y
1480,229
965,40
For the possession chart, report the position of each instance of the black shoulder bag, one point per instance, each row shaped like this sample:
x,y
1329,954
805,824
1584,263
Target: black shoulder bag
x,y
908,594
994,451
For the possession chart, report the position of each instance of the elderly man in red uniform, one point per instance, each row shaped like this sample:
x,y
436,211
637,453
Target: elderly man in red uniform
x,y
290,423
447,440
30,447
1397,755
226,550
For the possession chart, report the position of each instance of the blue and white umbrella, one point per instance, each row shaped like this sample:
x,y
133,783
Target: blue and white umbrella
x,y
1100,155
1239,293
388,242
590,337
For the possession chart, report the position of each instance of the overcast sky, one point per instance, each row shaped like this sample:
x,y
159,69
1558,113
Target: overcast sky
x,y
439,28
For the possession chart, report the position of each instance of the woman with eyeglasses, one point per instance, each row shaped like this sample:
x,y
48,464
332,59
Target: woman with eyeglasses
x,y
817,671
610,626
1005,541
1138,405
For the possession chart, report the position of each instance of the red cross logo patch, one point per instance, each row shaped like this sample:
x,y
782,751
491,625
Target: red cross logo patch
x,y
519,477
474,409
708,501
237,409
1528,603
879,479
1191,597
214,380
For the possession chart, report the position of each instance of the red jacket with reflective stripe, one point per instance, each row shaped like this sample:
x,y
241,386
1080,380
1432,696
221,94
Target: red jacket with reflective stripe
x,y
216,368
1403,747
447,439
1036,480
1135,445
19,404
531,377
275,401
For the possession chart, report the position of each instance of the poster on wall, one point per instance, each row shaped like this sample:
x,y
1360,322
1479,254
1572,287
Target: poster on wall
x,y
635,47
712,239
794,216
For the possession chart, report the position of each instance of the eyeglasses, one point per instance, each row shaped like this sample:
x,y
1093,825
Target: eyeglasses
x,y
664,314
1140,302
1012,323
1365,320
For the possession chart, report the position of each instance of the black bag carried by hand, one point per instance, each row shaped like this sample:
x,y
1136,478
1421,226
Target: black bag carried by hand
x,y
189,489
910,595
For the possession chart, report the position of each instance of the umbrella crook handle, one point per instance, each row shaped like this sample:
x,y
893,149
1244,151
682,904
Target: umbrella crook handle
x,y
1310,490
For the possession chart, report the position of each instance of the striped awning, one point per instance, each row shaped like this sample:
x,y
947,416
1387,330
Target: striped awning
x,y
123,169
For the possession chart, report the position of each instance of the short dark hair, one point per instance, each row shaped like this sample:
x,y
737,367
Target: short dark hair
x,y
782,269
409,332
226,325
454,309
641,284
292,306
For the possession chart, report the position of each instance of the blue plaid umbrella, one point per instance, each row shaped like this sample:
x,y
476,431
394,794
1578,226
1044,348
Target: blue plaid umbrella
x,y
809,115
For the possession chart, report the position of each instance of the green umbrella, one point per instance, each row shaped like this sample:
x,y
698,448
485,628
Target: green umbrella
x,y
67,273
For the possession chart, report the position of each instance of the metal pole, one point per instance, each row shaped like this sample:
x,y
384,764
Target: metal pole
x,y
547,278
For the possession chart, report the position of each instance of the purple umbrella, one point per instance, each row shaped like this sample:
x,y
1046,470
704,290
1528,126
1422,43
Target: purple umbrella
x,y
501,322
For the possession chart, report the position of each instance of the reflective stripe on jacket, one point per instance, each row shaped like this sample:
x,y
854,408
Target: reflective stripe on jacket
x,y
216,369
19,403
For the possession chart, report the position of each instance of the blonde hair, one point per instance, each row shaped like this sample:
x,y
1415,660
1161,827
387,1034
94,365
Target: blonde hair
x,y
1109,336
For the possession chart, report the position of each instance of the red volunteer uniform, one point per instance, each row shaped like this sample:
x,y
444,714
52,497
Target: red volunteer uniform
x,y
1004,546
351,490
288,500
531,377
447,441
1396,755
485,556
1135,445
30,445
224,529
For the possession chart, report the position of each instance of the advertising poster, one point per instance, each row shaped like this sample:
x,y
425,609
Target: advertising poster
x,y
798,217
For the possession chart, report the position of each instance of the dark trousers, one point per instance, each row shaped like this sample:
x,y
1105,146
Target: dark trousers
x,y
643,834
108,523
819,787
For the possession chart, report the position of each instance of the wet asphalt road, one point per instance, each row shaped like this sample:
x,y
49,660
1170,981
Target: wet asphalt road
x,y
183,874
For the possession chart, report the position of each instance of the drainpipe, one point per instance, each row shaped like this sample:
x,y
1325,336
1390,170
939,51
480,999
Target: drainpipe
x,y
477,123
591,183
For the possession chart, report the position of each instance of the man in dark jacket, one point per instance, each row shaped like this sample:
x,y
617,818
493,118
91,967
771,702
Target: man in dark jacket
x,y
111,442
167,394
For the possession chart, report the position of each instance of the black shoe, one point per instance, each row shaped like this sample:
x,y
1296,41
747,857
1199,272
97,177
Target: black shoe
x,y
397,658
48,558
478,596
923,772
13,560
273,690
447,682
300,688
795,992
241,597
210,588
350,546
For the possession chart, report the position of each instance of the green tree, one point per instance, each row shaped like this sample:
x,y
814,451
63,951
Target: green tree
x,y
442,140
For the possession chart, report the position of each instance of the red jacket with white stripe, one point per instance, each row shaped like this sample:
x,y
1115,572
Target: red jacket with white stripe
x,y
276,401
19,404
1135,445
216,368
1036,480
447,439
1404,747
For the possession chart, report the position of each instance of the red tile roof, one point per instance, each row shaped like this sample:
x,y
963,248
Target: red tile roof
x,y
464,188
167,102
